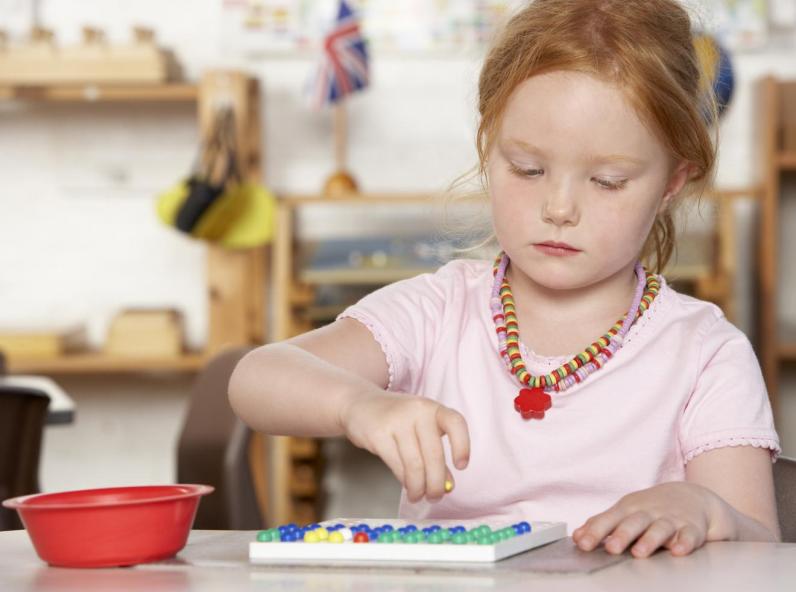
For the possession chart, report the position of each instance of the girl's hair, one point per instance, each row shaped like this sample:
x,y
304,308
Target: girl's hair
x,y
645,47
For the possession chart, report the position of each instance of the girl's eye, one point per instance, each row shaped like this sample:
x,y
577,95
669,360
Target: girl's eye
x,y
610,185
525,172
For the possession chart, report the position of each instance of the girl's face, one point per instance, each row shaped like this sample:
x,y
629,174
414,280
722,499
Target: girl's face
x,y
572,163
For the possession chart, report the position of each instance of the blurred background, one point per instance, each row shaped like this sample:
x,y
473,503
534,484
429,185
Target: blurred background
x,y
183,181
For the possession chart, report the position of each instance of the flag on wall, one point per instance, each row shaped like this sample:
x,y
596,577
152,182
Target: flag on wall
x,y
344,65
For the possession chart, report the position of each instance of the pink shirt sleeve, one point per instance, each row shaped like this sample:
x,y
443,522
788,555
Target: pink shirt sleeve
x,y
404,319
729,405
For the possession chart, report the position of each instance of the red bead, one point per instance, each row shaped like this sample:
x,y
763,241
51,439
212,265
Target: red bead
x,y
532,403
361,537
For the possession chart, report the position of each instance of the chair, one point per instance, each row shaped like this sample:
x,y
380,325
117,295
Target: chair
x,y
785,489
23,412
214,449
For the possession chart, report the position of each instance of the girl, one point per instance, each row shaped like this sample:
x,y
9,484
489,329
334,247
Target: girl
x,y
572,384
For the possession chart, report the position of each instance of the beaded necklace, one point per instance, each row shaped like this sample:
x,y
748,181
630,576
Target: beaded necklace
x,y
534,401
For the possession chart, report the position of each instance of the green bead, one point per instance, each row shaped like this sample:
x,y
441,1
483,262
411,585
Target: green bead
x,y
263,536
444,534
495,538
435,538
484,540
459,538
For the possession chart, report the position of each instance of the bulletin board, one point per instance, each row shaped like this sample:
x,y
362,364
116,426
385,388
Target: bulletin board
x,y
251,27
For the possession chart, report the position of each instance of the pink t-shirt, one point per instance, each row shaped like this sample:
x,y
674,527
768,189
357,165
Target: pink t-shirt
x,y
685,381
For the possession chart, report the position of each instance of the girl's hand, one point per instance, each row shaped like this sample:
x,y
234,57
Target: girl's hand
x,y
679,516
406,431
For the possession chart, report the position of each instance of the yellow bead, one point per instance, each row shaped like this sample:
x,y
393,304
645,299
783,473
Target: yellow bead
x,y
336,537
311,537
322,533
448,485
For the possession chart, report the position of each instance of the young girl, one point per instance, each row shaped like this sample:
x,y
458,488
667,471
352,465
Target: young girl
x,y
564,381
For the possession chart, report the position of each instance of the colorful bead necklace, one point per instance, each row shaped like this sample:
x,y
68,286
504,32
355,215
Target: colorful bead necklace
x,y
534,401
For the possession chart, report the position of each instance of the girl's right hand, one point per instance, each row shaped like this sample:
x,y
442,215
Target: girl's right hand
x,y
406,431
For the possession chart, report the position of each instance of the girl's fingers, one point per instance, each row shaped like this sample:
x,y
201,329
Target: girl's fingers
x,y
429,438
413,466
687,539
453,424
627,531
596,528
659,532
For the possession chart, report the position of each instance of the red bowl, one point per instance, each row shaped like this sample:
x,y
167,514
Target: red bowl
x,y
109,527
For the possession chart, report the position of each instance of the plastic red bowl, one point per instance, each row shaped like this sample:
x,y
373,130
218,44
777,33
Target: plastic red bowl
x,y
109,527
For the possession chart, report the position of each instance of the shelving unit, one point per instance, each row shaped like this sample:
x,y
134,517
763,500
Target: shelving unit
x,y
776,105
154,93
235,279
296,462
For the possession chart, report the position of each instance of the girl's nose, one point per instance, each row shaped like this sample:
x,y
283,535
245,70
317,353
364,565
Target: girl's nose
x,y
560,207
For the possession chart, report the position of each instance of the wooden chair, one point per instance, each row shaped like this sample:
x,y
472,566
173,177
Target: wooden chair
x,y
214,450
785,488
23,412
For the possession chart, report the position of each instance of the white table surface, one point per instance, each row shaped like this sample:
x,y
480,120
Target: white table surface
x,y
217,560
62,407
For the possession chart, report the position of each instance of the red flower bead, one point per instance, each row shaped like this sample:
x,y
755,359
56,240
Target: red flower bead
x,y
532,403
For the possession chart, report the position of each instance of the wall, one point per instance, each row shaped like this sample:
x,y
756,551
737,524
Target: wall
x,y
80,239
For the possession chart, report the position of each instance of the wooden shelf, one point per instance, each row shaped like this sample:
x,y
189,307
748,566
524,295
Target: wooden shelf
x,y
787,342
354,199
99,363
787,161
160,93
365,276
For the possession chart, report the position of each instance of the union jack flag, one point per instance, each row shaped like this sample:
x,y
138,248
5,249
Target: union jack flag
x,y
344,66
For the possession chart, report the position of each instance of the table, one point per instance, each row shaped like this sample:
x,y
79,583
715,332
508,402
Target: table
x,y
217,560
61,409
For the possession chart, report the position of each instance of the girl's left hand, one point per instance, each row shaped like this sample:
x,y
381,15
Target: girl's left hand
x,y
679,516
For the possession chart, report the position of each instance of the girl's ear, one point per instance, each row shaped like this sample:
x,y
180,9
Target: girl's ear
x,y
677,180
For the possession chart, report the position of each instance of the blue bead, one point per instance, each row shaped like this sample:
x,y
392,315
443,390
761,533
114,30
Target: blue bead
x,y
339,525
435,527
292,526
411,528
427,531
388,528
373,536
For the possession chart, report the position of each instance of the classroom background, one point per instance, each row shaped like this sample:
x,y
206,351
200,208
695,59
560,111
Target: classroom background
x,y
94,284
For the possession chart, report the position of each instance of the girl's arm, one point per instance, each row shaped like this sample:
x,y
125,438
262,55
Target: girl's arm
x,y
743,478
300,386
331,382
728,495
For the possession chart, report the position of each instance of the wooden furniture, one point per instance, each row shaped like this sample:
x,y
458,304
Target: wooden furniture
x,y
214,449
776,107
296,462
235,279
